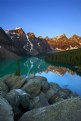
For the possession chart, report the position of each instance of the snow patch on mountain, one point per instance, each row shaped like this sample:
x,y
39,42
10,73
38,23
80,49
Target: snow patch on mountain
x,y
17,28
30,43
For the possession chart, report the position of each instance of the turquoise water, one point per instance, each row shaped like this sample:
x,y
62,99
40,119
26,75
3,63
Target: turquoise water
x,y
64,75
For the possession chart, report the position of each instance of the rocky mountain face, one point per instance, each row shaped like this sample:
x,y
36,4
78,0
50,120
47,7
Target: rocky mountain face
x,y
18,38
37,44
63,43
7,48
28,43
22,44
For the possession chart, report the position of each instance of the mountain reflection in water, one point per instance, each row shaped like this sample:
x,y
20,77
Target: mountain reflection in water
x,y
35,65
64,75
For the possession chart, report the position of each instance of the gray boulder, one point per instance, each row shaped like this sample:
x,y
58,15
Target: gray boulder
x,y
3,87
32,87
6,113
55,93
19,100
67,110
39,101
14,82
52,93
44,84
54,86
63,94
35,85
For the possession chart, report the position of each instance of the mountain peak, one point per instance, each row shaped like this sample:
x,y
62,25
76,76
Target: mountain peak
x,y
47,38
17,30
31,35
40,37
75,36
61,36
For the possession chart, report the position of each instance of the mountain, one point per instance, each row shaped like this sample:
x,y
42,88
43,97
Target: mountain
x,y
6,46
63,43
18,38
28,42
38,44
18,42
6,54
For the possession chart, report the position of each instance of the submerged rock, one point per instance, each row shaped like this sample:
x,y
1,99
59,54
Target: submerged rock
x,y
67,110
6,113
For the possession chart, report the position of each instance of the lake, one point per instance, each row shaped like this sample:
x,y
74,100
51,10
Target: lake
x,y
63,74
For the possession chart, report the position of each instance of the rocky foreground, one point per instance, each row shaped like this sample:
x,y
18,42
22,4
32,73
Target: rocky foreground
x,y
34,99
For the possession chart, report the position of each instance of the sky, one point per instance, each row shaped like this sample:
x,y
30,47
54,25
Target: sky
x,y
43,17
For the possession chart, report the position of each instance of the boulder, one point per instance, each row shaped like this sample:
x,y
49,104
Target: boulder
x,y
55,93
3,87
35,85
39,101
14,82
66,110
32,87
64,94
6,113
19,100
44,84
51,94
54,86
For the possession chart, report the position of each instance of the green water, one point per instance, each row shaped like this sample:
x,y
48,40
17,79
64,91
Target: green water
x,y
30,65
65,75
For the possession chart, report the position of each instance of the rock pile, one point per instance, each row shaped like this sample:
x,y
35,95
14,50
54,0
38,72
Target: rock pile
x,y
24,99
